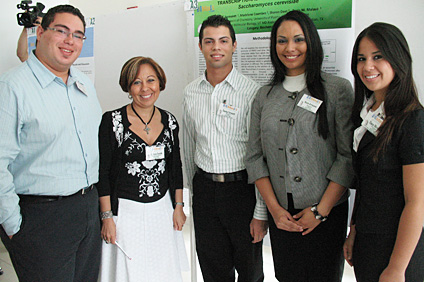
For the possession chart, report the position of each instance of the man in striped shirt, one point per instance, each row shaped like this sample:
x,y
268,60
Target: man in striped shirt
x,y
216,115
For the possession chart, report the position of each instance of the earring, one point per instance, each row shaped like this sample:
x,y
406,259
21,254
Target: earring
x,y
129,96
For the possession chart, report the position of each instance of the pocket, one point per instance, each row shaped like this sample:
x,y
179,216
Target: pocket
x,y
234,127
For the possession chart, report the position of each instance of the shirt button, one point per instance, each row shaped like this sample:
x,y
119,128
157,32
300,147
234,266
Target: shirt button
x,y
291,121
293,151
79,131
298,179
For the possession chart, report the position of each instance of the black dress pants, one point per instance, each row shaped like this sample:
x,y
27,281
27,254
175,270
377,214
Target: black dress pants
x,y
315,257
222,213
58,240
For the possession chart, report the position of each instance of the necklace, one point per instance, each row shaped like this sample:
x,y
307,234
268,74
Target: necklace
x,y
146,128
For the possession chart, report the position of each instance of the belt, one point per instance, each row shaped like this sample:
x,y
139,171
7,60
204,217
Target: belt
x,y
224,177
42,199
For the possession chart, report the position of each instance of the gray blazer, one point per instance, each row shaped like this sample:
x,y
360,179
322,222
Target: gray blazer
x,y
284,143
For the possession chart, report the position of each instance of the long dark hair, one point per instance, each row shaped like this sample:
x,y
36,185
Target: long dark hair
x,y
313,63
401,97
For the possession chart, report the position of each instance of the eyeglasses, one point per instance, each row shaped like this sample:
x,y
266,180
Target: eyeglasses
x,y
65,33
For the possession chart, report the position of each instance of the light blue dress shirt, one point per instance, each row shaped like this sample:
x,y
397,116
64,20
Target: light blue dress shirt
x,y
48,136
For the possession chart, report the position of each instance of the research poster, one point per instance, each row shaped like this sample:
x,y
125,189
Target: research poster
x,y
85,61
253,20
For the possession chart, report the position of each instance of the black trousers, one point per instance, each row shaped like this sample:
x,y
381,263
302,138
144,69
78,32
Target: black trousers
x,y
316,257
222,213
371,255
58,241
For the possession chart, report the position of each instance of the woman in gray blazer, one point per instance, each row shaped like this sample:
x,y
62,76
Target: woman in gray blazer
x,y
299,155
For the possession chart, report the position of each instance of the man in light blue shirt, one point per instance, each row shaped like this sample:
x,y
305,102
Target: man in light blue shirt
x,y
49,116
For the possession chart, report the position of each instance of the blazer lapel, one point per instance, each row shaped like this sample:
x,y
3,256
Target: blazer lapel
x,y
366,139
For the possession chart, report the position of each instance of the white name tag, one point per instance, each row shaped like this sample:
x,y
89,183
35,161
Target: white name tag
x,y
373,120
228,110
155,152
309,103
81,87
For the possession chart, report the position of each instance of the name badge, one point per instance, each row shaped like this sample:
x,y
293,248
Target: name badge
x,y
155,152
309,103
228,111
373,120
81,87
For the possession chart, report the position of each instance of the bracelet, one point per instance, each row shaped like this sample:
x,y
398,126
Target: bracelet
x,y
180,203
317,215
106,214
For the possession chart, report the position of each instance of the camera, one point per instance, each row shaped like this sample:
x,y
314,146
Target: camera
x,y
28,18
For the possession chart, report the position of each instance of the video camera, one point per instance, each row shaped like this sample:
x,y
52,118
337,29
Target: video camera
x,y
31,13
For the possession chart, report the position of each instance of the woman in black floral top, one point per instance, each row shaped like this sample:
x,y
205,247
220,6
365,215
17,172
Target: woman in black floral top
x,y
141,182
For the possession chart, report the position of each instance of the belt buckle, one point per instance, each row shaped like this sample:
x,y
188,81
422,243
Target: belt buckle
x,y
218,177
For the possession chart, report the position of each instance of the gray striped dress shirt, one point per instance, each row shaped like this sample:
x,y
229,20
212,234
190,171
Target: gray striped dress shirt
x,y
214,141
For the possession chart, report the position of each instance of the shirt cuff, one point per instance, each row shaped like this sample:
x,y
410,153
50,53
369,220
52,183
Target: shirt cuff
x,y
261,212
13,224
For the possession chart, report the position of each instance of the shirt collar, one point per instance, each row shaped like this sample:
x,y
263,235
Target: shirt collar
x,y
231,78
367,105
44,75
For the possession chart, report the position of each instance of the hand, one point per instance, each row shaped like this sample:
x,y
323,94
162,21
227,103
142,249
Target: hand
x,y
283,220
179,218
258,229
391,275
348,246
108,232
307,220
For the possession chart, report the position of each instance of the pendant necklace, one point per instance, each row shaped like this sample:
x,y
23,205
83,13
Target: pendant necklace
x,y
146,128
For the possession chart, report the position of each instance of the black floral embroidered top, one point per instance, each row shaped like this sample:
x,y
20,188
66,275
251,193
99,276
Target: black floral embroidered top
x,y
127,169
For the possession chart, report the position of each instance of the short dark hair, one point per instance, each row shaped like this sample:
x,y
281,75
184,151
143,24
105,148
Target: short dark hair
x,y
216,21
130,70
401,97
313,62
51,13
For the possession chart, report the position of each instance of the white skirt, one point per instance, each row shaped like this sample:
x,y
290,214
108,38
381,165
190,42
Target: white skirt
x,y
146,234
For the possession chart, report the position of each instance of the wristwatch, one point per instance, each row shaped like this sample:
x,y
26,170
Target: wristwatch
x,y
317,214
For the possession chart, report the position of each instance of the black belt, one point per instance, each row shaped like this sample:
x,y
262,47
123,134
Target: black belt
x,y
42,199
224,177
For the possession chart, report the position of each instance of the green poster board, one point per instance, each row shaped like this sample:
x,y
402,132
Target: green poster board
x,y
251,16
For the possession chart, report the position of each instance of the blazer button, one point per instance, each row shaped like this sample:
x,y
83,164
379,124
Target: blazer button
x,y
293,96
290,121
298,179
293,151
